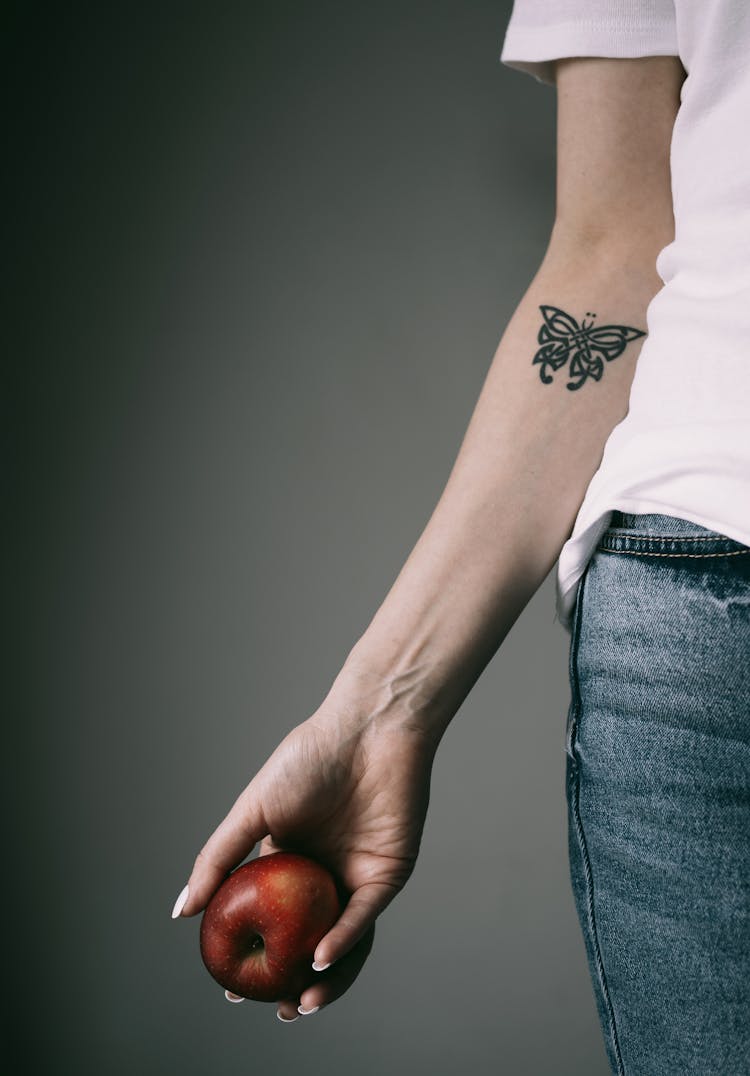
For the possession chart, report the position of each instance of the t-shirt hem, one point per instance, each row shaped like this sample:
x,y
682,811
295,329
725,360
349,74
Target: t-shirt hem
x,y
534,49
566,586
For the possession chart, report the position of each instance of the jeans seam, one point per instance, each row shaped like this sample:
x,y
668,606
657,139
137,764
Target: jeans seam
x,y
591,915
575,708
575,701
676,537
692,556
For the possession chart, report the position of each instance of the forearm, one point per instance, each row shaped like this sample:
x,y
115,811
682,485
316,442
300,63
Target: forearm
x,y
512,495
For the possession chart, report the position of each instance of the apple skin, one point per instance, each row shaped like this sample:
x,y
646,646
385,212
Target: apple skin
x,y
260,928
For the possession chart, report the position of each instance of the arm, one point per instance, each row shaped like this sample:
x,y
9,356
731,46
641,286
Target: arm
x,y
350,785
531,448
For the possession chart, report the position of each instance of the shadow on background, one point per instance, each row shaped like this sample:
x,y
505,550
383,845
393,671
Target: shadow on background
x,y
263,257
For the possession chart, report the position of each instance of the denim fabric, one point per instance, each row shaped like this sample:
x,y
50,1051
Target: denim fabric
x,y
658,794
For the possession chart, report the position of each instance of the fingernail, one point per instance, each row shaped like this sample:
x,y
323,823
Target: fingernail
x,y
232,997
307,1012
180,903
321,967
284,1019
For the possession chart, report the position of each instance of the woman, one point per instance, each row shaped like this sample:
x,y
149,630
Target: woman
x,y
637,481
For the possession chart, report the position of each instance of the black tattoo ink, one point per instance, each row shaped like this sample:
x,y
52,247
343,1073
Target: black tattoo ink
x,y
562,337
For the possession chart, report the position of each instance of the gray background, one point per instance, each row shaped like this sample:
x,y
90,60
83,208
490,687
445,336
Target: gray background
x,y
263,257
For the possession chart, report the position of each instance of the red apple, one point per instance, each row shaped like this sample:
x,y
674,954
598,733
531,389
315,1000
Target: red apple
x,y
260,928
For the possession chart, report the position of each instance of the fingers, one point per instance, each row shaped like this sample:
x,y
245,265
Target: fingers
x,y
359,915
287,1011
331,984
337,979
225,849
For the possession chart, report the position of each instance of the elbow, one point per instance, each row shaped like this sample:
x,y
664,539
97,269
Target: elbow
x,y
627,255
634,238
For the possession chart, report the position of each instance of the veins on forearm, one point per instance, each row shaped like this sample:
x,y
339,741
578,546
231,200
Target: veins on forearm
x,y
586,345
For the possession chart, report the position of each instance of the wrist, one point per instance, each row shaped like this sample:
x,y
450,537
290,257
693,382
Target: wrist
x,y
398,692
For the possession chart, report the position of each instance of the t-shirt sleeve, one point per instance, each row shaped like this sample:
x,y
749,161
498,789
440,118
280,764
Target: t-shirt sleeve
x,y
541,31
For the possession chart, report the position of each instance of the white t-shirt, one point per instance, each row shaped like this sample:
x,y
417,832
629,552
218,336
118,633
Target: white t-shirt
x,y
683,448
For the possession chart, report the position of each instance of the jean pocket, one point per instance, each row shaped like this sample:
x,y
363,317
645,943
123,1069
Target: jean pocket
x,y
571,724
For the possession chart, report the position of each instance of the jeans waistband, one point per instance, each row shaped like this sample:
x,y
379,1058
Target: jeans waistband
x,y
662,534
654,523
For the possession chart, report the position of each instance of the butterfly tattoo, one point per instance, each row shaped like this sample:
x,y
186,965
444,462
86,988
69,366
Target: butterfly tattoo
x,y
562,338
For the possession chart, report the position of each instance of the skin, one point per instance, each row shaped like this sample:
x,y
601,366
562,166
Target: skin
x,y
350,784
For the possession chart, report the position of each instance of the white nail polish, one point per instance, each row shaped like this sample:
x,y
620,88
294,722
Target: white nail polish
x,y
235,998
307,1012
320,967
180,903
284,1019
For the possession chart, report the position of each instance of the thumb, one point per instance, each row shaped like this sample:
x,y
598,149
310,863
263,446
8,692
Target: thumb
x,y
232,840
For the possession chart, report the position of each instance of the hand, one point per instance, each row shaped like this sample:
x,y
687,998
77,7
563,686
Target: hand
x,y
350,791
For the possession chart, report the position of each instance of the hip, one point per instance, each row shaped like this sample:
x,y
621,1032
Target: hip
x,y
661,627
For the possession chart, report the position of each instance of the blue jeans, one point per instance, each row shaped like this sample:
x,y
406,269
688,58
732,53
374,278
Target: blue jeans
x,y
658,794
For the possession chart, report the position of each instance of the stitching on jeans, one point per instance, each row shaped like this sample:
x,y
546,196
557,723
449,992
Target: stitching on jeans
x,y
676,537
575,782
646,553
575,700
591,915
